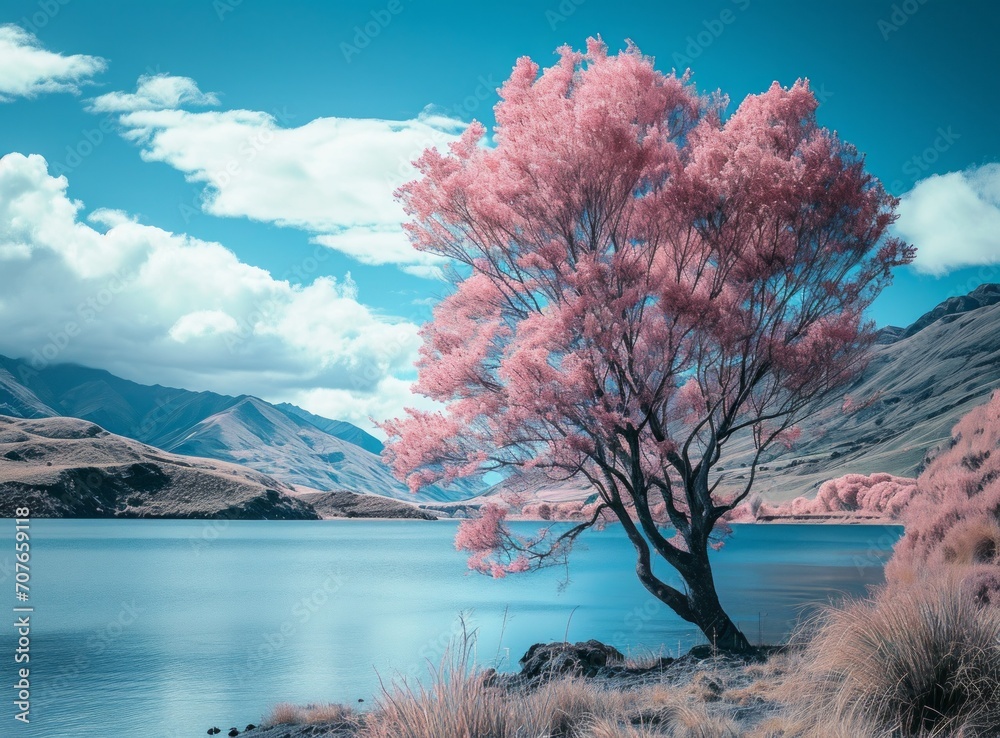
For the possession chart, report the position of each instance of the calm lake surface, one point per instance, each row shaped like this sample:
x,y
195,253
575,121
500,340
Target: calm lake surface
x,y
165,628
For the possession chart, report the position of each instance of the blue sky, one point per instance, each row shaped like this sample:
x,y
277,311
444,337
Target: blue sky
x,y
336,98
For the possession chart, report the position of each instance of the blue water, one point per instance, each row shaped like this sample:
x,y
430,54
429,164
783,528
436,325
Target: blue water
x,y
165,628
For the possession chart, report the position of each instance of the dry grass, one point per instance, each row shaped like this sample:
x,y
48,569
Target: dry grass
x,y
918,662
326,714
456,702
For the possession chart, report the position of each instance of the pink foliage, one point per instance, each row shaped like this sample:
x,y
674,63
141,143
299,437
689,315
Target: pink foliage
x,y
873,496
482,533
491,545
641,279
953,522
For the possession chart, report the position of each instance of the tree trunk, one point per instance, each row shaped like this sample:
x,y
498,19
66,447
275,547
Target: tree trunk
x,y
706,610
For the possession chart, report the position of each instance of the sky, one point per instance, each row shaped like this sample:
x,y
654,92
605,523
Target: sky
x,y
198,193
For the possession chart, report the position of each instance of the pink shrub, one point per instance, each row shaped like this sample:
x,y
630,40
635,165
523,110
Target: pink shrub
x,y
873,495
953,522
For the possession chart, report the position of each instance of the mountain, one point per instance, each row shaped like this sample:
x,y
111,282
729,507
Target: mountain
x,y
983,296
65,467
907,399
919,382
339,428
259,435
18,401
286,442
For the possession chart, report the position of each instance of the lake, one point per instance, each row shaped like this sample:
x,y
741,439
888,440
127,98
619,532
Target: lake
x,y
165,627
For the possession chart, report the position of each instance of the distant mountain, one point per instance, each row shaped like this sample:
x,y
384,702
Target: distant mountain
x,y
339,428
285,442
904,404
983,296
65,467
259,435
18,401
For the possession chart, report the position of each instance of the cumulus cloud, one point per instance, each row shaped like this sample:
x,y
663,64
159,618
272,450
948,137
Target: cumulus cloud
x,y
157,306
953,219
154,92
385,400
27,69
331,177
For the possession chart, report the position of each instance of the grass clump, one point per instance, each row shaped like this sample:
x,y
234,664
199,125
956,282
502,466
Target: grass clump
x,y
921,661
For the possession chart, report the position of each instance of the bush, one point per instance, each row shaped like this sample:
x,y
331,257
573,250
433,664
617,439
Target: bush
x,y
918,662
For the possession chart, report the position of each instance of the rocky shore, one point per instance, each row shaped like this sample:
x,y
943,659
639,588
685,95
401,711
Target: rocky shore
x,y
735,690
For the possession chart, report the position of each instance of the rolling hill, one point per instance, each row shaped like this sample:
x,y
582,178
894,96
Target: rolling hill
x,y
65,467
285,442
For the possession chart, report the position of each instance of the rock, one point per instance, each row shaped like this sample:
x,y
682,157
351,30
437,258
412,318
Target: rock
x,y
578,659
233,732
251,726
489,678
702,652
711,690
661,664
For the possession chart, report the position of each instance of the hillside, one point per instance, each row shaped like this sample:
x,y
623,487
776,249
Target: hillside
x,y
351,505
64,467
910,395
285,442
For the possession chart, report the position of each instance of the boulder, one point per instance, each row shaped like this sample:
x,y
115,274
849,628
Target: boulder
x,y
570,659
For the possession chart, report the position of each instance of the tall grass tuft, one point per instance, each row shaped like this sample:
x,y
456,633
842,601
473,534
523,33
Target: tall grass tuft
x,y
456,702
923,661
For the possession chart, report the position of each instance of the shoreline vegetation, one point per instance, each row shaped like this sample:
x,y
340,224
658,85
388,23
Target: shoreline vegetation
x,y
920,662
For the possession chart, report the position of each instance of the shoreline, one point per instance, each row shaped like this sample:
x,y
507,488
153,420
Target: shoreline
x,y
742,689
803,520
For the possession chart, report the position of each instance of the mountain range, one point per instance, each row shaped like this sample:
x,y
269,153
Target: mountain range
x,y
282,441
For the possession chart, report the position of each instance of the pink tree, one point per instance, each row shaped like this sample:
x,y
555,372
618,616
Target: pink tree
x,y
639,282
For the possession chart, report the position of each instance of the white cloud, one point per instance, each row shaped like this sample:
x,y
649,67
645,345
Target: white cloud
x,y
154,92
156,306
27,70
384,401
202,323
331,177
953,219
